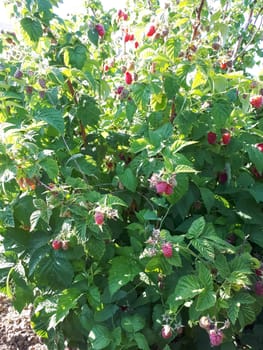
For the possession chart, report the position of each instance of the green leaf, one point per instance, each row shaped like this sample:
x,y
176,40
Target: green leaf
x,y
208,198
132,323
205,276
32,27
158,101
141,341
52,117
256,157
99,337
107,312
220,113
222,266
7,217
129,179
88,111
67,301
187,287
50,166
76,56
233,310
199,79
173,47
171,86
205,300
197,228
141,94
122,271
93,36
204,247
246,315
94,297
96,247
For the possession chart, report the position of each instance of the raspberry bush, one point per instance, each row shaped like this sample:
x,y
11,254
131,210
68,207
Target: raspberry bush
x,y
131,174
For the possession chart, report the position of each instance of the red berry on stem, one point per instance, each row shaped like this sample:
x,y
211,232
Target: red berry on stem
x,y
256,101
260,147
99,218
56,244
161,187
167,331
136,44
216,337
167,250
222,177
211,138
100,29
128,78
223,65
151,30
226,137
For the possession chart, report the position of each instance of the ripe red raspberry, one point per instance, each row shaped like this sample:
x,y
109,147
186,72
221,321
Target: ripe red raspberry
x,y
211,138
99,218
216,337
167,331
223,65
136,44
119,90
256,101
151,30
100,29
167,250
259,288
56,244
169,189
226,138
260,147
126,37
128,78
161,187
106,67
259,272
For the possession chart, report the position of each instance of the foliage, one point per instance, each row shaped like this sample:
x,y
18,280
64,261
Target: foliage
x,y
133,202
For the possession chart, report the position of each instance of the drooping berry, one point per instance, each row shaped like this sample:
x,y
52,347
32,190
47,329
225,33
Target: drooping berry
x,y
167,250
136,44
167,331
18,74
151,30
256,101
223,65
119,90
128,78
99,218
56,244
161,187
216,337
211,138
222,177
100,29
259,288
226,138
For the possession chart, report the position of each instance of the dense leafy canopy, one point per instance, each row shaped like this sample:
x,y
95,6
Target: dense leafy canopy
x,y
131,172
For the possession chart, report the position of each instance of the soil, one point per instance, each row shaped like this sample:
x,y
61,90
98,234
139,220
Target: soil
x,y
15,330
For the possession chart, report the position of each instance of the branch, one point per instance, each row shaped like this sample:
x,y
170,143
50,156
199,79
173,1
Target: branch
x,y
240,38
198,20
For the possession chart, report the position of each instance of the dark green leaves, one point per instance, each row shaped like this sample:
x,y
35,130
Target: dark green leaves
x,y
32,28
88,111
76,56
52,117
